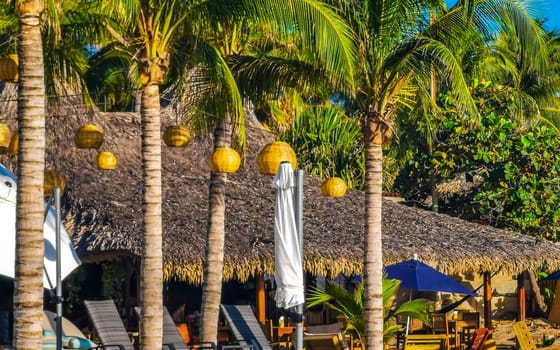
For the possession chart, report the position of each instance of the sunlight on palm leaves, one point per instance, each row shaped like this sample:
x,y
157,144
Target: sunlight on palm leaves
x,y
350,305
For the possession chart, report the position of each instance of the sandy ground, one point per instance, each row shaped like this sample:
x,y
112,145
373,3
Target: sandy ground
x,y
505,338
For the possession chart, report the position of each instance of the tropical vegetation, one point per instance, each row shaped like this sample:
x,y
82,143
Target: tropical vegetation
x,y
506,172
328,143
350,305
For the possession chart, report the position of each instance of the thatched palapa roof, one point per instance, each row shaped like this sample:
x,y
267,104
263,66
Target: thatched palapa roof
x,y
104,215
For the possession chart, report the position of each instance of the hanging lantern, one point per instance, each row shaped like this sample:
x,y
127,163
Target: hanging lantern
x,y
89,136
53,179
13,148
5,136
224,160
9,68
106,161
333,187
176,136
273,154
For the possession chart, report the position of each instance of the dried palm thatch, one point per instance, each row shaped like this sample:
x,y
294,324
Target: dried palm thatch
x,y
103,213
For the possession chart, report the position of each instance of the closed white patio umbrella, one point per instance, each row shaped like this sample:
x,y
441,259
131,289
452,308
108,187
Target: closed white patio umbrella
x,y
288,260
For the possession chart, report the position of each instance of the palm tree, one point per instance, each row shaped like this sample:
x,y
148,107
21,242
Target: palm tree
x,y
398,48
231,40
28,293
34,30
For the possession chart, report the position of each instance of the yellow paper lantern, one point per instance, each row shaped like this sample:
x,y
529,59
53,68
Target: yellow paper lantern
x,y
333,187
224,160
89,136
106,161
9,68
53,179
14,144
273,154
176,136
5,136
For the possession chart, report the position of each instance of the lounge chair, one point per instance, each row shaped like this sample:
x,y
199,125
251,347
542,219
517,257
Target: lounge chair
x,y
108,324
245,328
426,342
524,336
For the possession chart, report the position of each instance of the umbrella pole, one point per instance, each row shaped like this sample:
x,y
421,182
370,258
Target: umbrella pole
x,y
58,273
408,317
299,224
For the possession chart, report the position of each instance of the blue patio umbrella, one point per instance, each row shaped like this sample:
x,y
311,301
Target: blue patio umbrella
x,y
552,277
416,275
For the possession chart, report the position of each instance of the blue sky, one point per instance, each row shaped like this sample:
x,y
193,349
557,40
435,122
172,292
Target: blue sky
x,y
547,9
551,11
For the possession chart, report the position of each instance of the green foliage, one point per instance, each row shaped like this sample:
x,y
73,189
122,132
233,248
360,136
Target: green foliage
x,y
351,306
114,274
109,82
512,169
328,143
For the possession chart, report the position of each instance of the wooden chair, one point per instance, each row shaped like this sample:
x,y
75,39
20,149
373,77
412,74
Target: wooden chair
x,y
477,341
524,336
426,342
473,321
440,324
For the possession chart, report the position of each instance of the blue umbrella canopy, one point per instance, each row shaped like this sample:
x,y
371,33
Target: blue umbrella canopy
x,y
552,277
416,275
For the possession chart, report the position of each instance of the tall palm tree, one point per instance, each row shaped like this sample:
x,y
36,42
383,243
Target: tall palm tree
x,y
231,39
28,293
398,48
35,25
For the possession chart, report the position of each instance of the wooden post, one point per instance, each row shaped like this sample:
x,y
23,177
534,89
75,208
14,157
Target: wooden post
x,y
521,296
487,301
261,306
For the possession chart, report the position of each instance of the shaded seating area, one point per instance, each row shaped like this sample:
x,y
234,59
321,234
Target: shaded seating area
x,y
458,331
112,333
172,339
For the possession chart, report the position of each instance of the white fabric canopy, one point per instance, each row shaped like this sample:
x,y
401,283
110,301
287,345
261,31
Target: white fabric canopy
x,y
69,259
288,260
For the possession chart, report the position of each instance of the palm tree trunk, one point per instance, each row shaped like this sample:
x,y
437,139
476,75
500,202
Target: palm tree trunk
x,y
373,259
151,331
213,266
28,292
